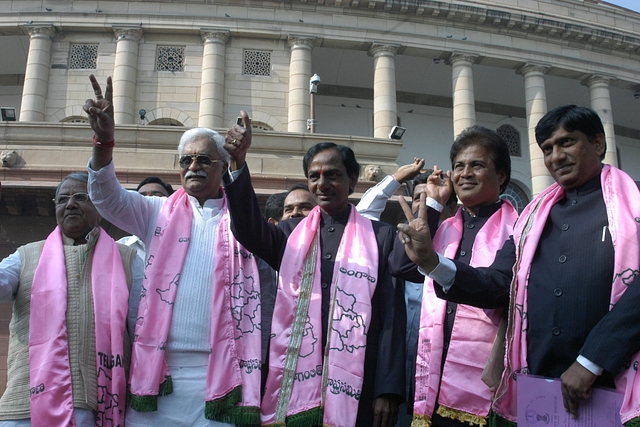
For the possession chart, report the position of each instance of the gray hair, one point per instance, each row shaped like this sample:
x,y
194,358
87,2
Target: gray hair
x,y
78,176
209,134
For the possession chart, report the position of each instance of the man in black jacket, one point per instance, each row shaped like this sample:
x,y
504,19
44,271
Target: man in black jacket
x,y
332,173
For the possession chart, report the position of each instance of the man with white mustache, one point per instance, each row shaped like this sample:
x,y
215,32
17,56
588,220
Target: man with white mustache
x,y
196,353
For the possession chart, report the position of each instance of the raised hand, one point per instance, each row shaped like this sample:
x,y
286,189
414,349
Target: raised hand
x,y
407,172
416,237
100,111
238,140
439,185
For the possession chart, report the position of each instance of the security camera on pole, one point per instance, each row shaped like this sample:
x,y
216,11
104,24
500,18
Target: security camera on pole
x,y
314,81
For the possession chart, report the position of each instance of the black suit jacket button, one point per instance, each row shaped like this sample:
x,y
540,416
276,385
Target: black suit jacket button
x,y
574,202
331,229
463,253
327,256
556,331
565,227
557,292
471,226
562,258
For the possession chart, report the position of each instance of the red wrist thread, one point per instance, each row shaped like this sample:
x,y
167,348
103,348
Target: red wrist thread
x,y
103,144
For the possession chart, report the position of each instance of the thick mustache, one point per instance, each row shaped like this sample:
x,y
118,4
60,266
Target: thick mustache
x,y
190,174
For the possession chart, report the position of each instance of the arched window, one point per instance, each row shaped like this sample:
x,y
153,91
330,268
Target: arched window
x,y
165,121
516,196
75,119
260,126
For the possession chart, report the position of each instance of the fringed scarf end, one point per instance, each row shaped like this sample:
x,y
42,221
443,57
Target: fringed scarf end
x,y
144,403
150,403
421,421
166,387
465,417
224,410
635,422
310,418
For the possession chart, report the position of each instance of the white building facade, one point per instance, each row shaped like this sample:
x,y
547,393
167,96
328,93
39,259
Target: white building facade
x,y
433,67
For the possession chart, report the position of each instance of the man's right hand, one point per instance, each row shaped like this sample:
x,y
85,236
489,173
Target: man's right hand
x,y
416,237
238,141
100,110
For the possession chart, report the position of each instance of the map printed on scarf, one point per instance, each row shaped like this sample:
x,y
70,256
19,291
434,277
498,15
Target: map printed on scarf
x,y
309,340
110,401
243,294
347,324
161,292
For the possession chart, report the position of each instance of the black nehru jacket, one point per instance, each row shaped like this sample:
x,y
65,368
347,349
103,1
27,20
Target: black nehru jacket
x,y
569,290
401,265
385,352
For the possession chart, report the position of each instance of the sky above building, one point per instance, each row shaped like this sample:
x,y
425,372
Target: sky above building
x,y
629,4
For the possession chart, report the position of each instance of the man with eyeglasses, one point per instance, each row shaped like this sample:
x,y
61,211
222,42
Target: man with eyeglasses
x,y
69,348
196,354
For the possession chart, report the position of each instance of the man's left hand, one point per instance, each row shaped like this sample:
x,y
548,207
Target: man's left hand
x,y
576,386
385,411
238,140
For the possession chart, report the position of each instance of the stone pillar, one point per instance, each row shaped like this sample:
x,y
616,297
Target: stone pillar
x,y
125,74
464,109
36,78
536,106
212,85
299,75
385,113
601,104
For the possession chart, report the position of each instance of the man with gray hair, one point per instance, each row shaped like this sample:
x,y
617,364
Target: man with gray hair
x,y
69,349
196,352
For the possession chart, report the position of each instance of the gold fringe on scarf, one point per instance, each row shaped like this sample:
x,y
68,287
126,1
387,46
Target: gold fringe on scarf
x,y
465,417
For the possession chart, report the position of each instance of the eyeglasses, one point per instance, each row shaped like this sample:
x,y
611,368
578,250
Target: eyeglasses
x,y
63,199
202,159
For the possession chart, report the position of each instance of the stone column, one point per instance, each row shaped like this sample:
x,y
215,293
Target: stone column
x,y
36,78
601,104
125,74
464,109
536,107
212,85
385,113
299,75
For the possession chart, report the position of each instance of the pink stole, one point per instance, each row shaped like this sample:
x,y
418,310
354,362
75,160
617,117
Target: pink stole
x,y
621,197
233,371
462,394
50,373
304,389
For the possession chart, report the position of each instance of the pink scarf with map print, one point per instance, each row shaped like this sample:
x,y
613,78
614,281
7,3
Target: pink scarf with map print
x,y
621,197
303,388
49,370
460,392
233,371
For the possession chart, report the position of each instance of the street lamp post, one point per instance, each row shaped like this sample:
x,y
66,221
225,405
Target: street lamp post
x,y
314,81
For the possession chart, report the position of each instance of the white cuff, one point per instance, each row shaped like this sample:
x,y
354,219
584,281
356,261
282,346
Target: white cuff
x,y
589,365
444,273
433,204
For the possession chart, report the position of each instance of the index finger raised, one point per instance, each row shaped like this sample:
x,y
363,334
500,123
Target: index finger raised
x,y
405,208
97,90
